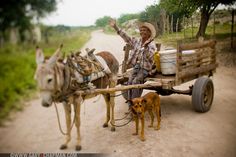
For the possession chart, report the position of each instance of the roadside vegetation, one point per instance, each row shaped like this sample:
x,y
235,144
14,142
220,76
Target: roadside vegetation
x,y
17,65
220,30
223,32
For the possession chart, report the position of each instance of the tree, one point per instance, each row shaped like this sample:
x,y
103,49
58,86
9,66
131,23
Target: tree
x,y
20,13
206,7
177,7
102,22
126,17
152,15
174,9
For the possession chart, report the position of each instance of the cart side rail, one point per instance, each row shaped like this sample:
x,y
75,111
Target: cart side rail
x,y
194,65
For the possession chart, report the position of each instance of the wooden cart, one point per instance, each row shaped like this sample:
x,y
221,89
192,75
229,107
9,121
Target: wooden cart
x,y
199,65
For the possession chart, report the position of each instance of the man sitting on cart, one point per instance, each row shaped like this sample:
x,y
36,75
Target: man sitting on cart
x,y
141,55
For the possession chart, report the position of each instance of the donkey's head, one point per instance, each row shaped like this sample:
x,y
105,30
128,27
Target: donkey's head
x,y
46,76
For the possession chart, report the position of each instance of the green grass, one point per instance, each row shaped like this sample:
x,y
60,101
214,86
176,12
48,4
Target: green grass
x,y
16,73
71,41
221,32
17,67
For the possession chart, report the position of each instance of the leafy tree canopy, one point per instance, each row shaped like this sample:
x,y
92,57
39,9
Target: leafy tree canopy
x,y
102,22
151,13
19,13
178,7
187,7
126,17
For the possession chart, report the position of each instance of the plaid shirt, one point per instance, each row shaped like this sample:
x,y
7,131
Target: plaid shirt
x,y
140,53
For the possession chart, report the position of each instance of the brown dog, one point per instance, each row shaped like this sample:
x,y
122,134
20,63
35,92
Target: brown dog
x,y
149,102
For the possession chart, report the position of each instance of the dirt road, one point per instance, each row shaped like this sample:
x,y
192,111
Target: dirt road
x,y
183,132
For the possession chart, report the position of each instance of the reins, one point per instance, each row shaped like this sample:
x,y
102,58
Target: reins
x,y
59,123
115,125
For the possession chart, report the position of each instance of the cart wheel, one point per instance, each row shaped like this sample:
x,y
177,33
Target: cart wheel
x,y
202,94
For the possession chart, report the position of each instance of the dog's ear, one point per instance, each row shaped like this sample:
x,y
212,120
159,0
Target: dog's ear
x,y
144,101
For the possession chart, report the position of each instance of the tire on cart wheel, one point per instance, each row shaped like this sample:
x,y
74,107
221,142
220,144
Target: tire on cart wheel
x,y
202,94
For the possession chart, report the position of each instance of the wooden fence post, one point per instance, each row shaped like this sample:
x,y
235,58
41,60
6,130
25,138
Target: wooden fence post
x,y
171,24
176,27
192,25
167,24
184,26
214,26
232,30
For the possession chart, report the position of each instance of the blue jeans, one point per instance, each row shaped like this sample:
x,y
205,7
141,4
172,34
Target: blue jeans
x,y
137,77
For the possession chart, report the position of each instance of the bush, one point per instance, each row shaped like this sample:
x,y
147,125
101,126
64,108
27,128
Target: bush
x,y
16,73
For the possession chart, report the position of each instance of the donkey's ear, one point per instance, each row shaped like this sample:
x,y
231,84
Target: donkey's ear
x,y
53,59
39,56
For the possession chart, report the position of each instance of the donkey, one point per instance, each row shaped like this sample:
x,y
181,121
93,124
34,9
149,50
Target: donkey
x,y
50,80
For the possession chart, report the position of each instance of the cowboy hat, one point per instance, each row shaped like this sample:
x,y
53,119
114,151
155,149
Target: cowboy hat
x,y
150,27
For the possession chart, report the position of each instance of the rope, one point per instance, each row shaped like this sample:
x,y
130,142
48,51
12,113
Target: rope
x,y
59,123
122,119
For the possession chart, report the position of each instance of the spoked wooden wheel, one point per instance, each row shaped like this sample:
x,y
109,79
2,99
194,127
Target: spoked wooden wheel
x,y
202,94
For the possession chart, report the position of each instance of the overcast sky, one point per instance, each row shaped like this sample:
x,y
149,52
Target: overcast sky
x,y
86,12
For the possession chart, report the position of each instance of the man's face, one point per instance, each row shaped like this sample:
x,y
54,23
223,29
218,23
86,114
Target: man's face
x,y
144,32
